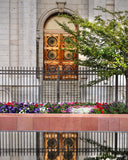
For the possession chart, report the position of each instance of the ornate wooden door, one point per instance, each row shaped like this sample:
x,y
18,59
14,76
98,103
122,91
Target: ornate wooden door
x,y
55,56
60,146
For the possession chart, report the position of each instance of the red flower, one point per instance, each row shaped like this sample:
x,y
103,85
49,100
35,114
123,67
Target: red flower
x,y
99,107
9,104
75,102
102,111
36,105
41,104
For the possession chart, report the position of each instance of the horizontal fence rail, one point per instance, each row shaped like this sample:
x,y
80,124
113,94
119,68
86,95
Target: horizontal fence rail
x,y
61,145
37,85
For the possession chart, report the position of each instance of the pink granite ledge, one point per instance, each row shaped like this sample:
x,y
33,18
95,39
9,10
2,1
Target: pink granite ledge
x,y
64,122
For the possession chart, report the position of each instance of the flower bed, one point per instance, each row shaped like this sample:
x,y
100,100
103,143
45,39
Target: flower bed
x,y
72,107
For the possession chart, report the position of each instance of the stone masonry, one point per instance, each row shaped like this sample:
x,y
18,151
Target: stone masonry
x,y
21,22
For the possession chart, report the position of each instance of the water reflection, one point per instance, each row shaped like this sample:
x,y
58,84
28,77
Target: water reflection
x,y
20,157
65,155
34,156
61,145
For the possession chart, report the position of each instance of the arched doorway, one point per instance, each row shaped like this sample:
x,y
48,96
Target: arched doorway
x,y
54,56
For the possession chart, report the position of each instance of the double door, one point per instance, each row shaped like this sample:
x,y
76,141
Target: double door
x,y
55,56
61,146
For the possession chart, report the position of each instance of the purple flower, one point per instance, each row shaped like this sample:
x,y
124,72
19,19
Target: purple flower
x,y
27,111
91,111
69,110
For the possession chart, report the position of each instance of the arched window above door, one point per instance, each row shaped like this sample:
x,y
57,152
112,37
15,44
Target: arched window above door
x,y
52,25
54,55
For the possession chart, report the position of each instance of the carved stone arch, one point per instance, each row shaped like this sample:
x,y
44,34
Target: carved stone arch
x,y
40,25
49,13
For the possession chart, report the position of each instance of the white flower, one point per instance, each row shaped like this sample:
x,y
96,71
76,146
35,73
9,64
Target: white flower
x,y
22,111
42,109
81,110
74,110
84,110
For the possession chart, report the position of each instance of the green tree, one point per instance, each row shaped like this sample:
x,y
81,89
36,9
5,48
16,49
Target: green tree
x,y
104,43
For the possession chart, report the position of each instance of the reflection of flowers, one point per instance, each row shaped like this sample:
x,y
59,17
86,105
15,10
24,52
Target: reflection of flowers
x,y
52,155
52,142
68,155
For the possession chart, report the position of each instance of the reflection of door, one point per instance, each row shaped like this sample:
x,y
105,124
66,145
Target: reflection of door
x,y
60,146
55,56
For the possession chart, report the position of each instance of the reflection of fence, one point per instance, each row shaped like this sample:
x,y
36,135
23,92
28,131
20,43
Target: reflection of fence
x,y
59,145
37,85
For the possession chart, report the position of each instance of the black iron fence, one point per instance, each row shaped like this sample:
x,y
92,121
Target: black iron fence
x,y
62,145
23,84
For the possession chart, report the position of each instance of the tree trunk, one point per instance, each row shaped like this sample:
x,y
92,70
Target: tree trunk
x,y
126,90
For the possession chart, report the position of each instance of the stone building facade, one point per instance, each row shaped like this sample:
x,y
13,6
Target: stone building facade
x,y
22,23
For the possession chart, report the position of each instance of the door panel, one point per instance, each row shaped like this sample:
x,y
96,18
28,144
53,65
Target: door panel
x,y
55,56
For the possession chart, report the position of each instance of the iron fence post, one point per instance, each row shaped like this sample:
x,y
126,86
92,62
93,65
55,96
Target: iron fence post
x,y
116,143
37,145
58,85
